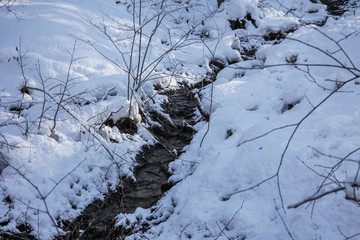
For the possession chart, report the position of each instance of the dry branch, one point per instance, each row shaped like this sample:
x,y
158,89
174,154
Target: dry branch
x,y
316,196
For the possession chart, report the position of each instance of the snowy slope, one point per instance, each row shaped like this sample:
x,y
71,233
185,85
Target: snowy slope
x,y
60,81
238,185
53,175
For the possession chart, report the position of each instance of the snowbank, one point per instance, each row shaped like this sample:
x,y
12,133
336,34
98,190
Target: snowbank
x,y
276,132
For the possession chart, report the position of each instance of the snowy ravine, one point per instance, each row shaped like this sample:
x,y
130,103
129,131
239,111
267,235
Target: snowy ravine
x,y
230,186
278,159
98,219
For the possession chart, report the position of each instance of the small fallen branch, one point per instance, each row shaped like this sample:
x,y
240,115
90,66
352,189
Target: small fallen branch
x,y
316,196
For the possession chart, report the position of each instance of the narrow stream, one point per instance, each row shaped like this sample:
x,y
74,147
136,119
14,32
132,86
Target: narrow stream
x,y
97,220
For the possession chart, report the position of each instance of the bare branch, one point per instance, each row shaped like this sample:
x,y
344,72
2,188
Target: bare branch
x,y
263,135
42,197
227,224
336,166
316,196
282,220
65,87
208,126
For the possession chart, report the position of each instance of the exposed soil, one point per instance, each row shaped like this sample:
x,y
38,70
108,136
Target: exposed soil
x,y
97,220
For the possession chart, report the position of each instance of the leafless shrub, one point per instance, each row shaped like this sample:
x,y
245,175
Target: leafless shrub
x,y
137,44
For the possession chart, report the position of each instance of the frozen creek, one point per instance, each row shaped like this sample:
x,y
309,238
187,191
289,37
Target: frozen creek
x,y
97,220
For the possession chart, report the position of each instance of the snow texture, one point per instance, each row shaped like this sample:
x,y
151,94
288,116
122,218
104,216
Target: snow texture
x,y
260,122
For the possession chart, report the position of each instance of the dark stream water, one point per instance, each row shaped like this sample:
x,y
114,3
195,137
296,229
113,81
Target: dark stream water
x,y
336,7
97,220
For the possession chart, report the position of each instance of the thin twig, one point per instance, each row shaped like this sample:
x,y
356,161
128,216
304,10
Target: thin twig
x,y
316,196
210,110
282,220
231,219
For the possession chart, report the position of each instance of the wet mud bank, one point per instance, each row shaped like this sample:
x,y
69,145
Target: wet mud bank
x,y
97,220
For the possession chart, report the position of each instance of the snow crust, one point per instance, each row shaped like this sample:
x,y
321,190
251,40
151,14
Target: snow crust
x,y
208,202
54,175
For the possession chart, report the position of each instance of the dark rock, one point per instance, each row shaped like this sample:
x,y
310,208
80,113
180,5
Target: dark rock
x,y
125,125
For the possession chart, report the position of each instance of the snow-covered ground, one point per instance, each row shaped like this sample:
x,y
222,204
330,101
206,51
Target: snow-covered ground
x,y
281,125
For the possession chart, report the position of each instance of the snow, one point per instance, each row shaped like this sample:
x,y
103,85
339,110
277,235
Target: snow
x,y
263,153
68,167
251,103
